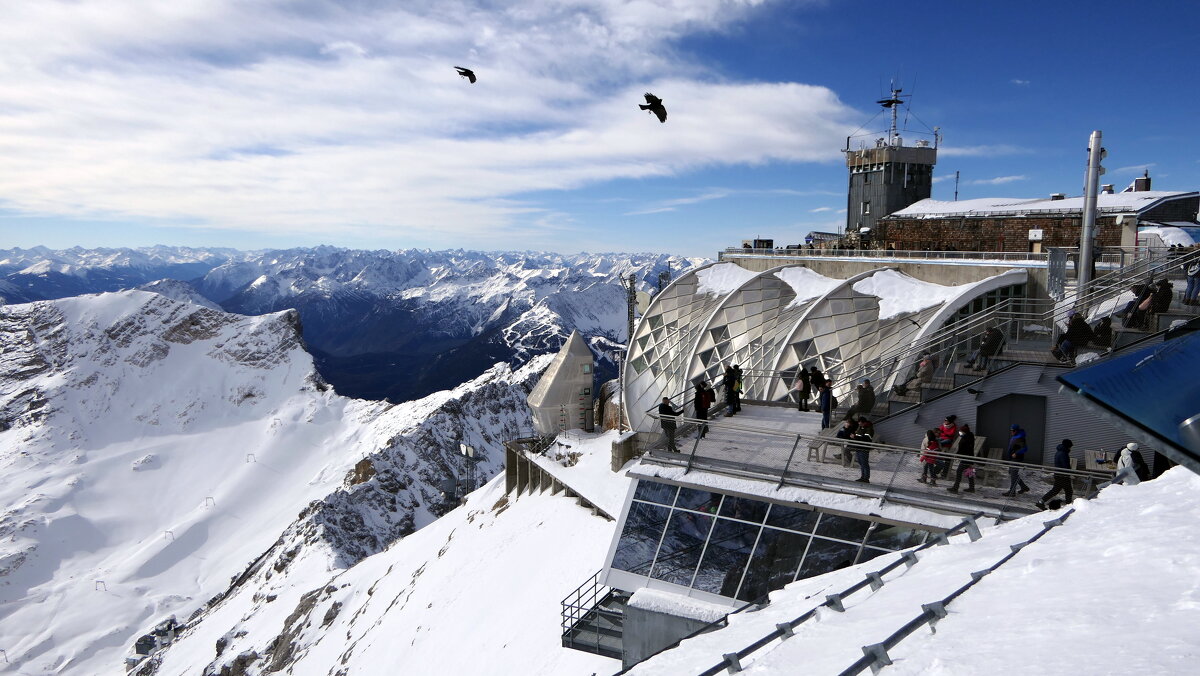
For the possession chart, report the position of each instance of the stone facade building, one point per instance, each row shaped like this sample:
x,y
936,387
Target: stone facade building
x,y
1032,225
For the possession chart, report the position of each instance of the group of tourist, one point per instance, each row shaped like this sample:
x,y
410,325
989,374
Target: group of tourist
x,y
1079,334
812,384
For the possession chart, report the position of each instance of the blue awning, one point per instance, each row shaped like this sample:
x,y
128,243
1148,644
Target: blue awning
x,y
1153,391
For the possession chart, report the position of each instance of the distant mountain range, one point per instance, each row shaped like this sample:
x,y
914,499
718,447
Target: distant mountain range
x,y
393,325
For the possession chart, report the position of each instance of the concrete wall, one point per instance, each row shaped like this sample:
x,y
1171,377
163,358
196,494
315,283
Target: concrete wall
x,y
645,632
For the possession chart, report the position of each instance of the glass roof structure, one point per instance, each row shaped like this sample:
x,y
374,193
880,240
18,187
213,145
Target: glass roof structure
x,y
728,548
774,322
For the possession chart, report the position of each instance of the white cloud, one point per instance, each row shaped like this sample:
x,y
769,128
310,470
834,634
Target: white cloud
x,y
999,180
820,209
320,118
1019,82
974,151
1135,168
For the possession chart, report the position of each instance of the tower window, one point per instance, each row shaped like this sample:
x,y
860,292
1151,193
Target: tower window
x,y
866,208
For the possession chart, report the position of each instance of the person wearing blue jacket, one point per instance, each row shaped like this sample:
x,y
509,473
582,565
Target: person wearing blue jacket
x,y
1017,445
1062,482
825,402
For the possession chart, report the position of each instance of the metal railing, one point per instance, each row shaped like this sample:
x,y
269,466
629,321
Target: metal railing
x,y
1019,319
731,662
579,604
898,473
875,656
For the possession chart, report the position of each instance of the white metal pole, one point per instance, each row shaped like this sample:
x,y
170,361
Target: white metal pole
x,y
1090,189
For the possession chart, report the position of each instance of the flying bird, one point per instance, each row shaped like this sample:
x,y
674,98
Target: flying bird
x,y
654,105
466,72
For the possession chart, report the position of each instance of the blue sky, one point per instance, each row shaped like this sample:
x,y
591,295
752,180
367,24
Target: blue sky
x,y
267,123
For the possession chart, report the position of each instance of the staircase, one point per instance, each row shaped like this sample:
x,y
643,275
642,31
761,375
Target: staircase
x,y
1030,328
592,618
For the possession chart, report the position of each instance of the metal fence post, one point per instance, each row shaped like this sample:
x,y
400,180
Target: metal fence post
x,y
879,652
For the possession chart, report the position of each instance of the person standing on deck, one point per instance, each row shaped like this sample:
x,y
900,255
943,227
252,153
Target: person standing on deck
x,y
825,401
966,448
1017,445
667,415
862,454
704,399
947,434
803,389
728,381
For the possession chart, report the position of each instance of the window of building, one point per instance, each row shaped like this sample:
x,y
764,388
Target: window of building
x,y
866,208
738,547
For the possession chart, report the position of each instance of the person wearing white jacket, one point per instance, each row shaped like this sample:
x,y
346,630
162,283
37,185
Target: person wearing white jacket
x,y
1126,469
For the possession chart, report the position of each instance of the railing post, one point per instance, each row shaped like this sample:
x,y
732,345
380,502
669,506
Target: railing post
x,y
879,652
732,663
783,474
692,457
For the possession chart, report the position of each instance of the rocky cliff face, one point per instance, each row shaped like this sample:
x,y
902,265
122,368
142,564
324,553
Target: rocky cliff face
x,y
156,450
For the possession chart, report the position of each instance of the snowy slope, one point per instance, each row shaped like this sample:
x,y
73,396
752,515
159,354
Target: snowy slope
x,y
1112,591
477,592
155,449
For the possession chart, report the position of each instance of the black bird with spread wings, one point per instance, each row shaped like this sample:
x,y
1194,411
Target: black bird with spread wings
x,y
466,72
654,105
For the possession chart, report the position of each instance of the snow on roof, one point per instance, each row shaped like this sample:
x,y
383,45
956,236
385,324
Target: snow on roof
x,y
1080,591
677,605
806,283
1172,235
984,206
898,293
722,278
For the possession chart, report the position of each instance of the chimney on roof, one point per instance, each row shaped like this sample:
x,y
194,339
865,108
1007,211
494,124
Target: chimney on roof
x,y
1107,188
1140,184
1055,196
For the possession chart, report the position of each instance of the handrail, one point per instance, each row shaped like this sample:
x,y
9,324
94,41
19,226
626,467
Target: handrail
x,y
874,579
875,656
965,330
891,448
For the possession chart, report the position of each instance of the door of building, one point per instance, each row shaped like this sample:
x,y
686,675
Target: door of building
x,y
995,418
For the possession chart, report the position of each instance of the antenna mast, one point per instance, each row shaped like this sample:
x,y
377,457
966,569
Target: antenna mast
x,y
894,105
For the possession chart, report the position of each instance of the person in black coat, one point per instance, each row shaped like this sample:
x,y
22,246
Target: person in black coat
x,y
1102,335
1062,482
667,415
862,454
1135,314
803,389
825,401
989,346
704,399
966,450
1077,335
729,383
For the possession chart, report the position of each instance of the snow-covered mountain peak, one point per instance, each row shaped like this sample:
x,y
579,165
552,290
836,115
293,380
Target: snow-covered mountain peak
x,y
156,450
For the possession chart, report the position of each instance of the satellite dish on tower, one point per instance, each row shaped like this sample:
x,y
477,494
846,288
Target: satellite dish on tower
x,y
643,302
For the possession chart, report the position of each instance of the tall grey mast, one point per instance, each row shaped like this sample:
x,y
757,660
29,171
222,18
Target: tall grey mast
x,y
886,176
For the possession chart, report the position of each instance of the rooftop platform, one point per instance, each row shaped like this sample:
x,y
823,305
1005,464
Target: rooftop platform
x,y
779,446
